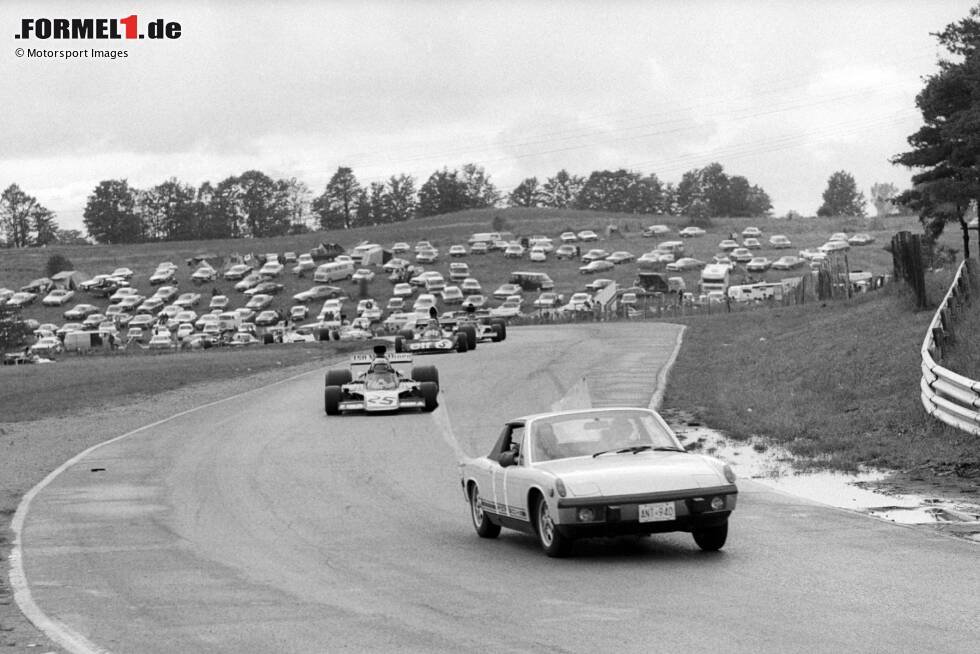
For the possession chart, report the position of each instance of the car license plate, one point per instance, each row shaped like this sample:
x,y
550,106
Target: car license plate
x,y
657,512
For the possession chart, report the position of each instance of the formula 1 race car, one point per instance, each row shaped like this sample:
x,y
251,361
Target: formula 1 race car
x,y
380,383
431,337
476,323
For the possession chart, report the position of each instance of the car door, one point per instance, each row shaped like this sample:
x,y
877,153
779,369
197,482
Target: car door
x,y
511,482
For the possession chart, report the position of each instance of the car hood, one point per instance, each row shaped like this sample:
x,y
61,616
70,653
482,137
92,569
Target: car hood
x,y
645,472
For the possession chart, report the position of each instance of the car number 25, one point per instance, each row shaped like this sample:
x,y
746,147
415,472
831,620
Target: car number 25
x,y
381,400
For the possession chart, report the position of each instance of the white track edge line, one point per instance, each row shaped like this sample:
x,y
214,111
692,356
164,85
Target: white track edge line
x,y
54,629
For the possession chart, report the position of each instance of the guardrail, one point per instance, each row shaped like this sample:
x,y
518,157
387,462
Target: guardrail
x,y
946,395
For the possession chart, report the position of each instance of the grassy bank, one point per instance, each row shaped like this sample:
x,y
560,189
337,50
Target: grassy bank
x,y
836,384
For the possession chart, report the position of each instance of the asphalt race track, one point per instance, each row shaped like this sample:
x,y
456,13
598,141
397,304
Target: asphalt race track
x,y
259,524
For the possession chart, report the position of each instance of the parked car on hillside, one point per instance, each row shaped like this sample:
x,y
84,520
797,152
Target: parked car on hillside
x,y
565,251
587,235
752,232
691,231
505,290
237,272
788,262
758,264
741,255
728,245
655,230
620,256
685,263
80,311
779,241
457,251
752,243
596,267
861,239
58,297
594,255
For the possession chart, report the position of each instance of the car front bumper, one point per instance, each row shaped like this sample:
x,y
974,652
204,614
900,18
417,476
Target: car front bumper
x,y
614,516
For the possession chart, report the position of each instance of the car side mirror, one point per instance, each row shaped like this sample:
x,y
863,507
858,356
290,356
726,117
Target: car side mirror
x,y
508,458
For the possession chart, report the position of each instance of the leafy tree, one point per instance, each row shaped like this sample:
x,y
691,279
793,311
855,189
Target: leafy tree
x,y
337,205
214,218
562,190
443,192
623,191
110,213
57,263
399,200
293,197
24,222
168,212
710,192
527,194
841,198
250,205
881,197
480,191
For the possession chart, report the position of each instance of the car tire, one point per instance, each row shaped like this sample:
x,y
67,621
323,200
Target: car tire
x,y
406,334
426,373
331,400
470,332
481,522
337,377
711,539
430,393
461,345
334,335
552,541
500,328
267,339
399,348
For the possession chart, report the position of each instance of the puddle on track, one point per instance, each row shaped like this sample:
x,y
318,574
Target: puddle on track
x,y
774,468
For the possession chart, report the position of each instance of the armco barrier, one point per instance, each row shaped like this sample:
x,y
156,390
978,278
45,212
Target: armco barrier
x,y
950,397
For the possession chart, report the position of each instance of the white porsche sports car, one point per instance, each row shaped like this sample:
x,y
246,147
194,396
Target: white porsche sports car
x,y
381,383
597,472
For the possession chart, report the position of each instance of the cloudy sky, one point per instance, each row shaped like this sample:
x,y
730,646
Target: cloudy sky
x,y
784,93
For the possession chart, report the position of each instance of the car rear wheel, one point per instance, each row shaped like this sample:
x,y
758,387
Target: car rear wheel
x,y
398,344
461,343
481,523
711,539
331,400
430,393
552,541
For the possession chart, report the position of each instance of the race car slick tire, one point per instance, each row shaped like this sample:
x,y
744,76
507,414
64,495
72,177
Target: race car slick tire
x,y
481,523
334,335
461,344
552,541
426,373
470,332
337,377
500,328
398,345
711,539
430,393
267,339
331,400
407,334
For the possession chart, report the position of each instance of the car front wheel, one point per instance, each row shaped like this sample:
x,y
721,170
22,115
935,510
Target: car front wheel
x,y
481,523
331,400
552,541
711,539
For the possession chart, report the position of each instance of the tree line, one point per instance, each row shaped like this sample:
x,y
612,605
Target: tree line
x,y
255,205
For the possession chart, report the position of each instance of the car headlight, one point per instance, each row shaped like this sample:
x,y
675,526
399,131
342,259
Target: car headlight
x,y
717,503
586,514
729,473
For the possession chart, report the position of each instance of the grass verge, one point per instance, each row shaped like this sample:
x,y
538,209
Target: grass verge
x,y
835,384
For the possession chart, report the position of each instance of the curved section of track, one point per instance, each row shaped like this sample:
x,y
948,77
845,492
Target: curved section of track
x,y
259,524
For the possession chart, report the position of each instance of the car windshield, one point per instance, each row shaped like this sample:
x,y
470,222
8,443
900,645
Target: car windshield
x,y
598,433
